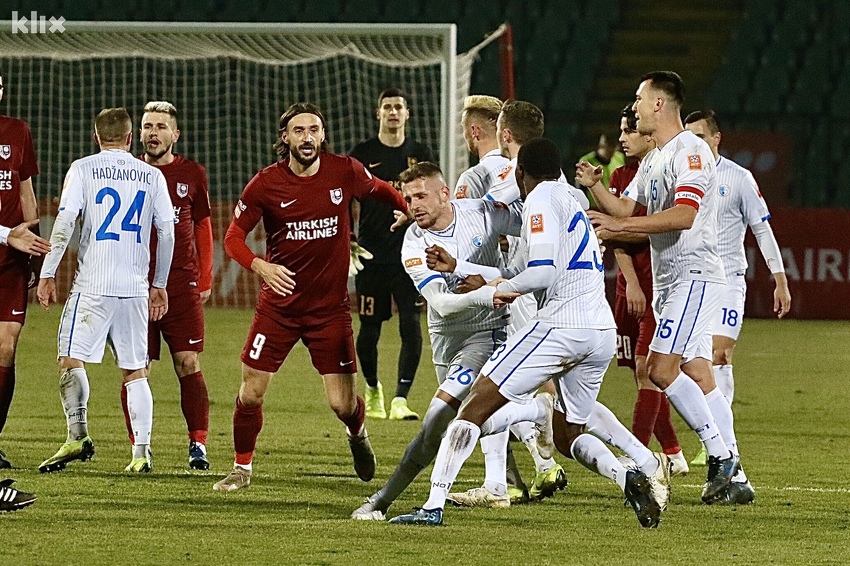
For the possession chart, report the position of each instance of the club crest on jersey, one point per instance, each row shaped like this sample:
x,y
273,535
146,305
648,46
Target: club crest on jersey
x,y
536,223
411,161
460,191
724,190
5,151
336,196
694,162
182,190
478,240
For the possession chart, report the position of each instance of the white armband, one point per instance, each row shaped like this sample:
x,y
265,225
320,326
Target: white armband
x,y
768,246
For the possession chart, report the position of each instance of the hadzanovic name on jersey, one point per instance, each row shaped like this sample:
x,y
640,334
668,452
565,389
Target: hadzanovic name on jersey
x,y
740,204
681,173
120,198
474,237
477,181
557,232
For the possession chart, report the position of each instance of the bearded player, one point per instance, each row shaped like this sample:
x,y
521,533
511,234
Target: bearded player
x,y
303,200
190,279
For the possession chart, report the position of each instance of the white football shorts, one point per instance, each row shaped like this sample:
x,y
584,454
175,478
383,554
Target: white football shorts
x,y
575,358
684,315
458,358
88,321
730,316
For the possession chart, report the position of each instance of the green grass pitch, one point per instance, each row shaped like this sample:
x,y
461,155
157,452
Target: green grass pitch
x,y
792,420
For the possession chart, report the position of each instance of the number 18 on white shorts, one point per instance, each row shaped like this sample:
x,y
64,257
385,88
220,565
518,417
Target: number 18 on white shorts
x,y
88,321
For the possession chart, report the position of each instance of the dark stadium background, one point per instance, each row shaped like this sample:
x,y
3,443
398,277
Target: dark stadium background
x,y
776,71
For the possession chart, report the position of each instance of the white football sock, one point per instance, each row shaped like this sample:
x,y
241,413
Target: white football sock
x,y
74,392
455,448
495,449
687,398
140,407
605,425
514,413
725,381
527,432
591,453
722,413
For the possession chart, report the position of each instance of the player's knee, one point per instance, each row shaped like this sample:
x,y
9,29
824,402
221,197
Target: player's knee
x,y
370,331
186,363
7,350
409,328
723,356
564,434
342,408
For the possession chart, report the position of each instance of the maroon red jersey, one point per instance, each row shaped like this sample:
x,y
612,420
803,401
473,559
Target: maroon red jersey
x,y
17,164
620,179
189,192
308,228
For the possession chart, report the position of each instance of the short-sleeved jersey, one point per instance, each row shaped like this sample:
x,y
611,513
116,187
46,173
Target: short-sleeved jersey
x,y
681,173
557,232
740,204
17,164
473,236
120,199
189,192
640,254
376,217
477,181
308,226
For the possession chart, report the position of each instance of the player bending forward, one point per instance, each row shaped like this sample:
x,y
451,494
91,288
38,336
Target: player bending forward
x,y
464,328
571,339
303,200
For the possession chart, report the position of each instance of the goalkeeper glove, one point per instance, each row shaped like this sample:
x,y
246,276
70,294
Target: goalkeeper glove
x,y
357,252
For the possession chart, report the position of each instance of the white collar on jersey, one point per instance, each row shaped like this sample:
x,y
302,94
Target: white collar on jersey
x,y
449,230
492,153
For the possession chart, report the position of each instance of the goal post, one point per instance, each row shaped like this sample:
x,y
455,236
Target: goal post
x,y
230,83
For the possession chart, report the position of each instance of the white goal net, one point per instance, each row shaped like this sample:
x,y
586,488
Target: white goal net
x,y
230,83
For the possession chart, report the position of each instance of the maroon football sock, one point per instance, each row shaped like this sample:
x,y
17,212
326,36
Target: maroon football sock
x,y
127,414
646,412
247,424
7,389
354,422
664,430
195,403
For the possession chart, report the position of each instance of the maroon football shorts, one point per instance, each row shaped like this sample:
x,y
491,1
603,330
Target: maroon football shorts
x,y
633,334
329,340
182,327
13,297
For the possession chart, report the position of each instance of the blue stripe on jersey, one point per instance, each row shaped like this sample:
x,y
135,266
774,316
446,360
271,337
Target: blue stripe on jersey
x,y
489,197
701,297
73,322
765,218
510,373
61,322
428,281
682,318
536,262
515,346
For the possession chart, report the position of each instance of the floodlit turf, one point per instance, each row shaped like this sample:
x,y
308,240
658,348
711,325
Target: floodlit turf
x,y
792,416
